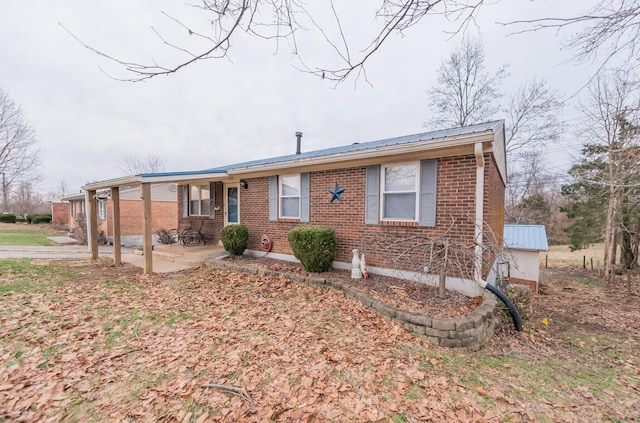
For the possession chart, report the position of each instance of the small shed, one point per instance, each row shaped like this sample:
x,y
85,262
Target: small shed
x,y
523,244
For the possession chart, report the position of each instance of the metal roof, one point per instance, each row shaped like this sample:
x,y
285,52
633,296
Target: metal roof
x,y
371,145
526,237
496,127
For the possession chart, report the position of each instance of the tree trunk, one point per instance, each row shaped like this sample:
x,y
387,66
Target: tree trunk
x,y
442,288
609,237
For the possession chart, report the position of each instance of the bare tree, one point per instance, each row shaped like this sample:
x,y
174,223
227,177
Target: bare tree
x,y
284,22
19,157
25,199
437,257
527,187
608,30
611,29
465,93
63,189
532,118
135,165
612,131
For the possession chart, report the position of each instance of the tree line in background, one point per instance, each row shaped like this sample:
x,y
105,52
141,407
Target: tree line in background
x,y
597,203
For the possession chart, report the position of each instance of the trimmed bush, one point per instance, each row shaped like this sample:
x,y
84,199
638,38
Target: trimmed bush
x,y
41,218
314,246
8,218
235,239
38,218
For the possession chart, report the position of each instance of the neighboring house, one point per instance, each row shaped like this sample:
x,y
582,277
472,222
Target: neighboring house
x,y
59,212
522,244
77,209
163,209
404,185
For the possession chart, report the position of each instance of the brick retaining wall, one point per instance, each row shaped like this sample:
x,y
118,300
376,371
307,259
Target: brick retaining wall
x,y
472,331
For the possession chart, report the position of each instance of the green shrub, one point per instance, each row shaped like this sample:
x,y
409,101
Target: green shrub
x,y
235,239
314,246
38,218
21,220
41,218
8,218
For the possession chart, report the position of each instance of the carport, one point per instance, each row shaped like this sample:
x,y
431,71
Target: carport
x,y
144,182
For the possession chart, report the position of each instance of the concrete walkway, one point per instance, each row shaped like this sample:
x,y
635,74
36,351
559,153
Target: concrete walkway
x,y
162,263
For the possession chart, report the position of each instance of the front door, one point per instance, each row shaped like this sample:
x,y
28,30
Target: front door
x,y
232,204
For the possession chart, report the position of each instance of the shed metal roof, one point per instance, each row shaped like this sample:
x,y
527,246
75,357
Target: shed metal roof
x,y
526,237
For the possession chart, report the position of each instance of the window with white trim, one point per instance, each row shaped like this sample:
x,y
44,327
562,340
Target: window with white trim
x,y
399,191
289,196
200,200
102,209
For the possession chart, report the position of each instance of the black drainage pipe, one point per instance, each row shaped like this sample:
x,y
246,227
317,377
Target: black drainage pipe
x,y
515,316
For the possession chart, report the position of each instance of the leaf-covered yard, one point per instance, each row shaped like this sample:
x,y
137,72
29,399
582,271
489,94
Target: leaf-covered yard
x,y
93,342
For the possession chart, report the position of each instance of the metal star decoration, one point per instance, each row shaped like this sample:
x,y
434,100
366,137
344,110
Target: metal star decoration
x,y
336,193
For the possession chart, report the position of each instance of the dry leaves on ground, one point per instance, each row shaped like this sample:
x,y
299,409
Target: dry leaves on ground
x,y
104,343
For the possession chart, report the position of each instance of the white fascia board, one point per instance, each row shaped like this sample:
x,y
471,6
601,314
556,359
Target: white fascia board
x,y
185,178
129,181
392,150
117,182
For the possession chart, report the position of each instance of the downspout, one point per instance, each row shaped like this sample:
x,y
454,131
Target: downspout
x,y
515,316
479,153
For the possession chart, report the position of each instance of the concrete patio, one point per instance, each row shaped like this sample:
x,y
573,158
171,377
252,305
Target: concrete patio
x,y
166,258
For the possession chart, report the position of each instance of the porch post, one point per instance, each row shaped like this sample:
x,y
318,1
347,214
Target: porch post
x,y
92,222
117,251
147,246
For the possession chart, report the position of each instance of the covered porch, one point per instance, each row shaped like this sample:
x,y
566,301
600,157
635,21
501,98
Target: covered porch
x,y
164,253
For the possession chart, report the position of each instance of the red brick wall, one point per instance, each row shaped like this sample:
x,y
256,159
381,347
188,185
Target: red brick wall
x,y
455,214
60,213
164,215
494,197
209,226
494,191
455,199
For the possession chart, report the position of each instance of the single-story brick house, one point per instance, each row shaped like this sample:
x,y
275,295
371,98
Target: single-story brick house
x,y
404,185
163,203
522,245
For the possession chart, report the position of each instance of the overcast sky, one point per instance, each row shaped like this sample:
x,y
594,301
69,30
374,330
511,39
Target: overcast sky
x,y
224,111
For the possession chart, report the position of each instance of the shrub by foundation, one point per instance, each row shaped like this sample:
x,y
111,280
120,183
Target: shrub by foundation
x,y
8,218
314,246
235,239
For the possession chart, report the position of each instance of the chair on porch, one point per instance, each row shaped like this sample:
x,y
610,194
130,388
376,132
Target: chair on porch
x,y
192,236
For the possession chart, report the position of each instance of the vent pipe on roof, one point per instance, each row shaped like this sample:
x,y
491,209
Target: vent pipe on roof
x,y
298,141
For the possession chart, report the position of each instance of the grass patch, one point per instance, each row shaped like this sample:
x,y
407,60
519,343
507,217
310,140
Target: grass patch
x,y
18,234
414,393
22,275
175,318
399,418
